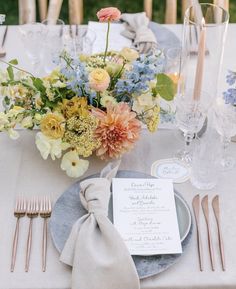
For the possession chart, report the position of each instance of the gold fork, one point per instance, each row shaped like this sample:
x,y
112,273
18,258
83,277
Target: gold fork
x,y
45,213
32,212
19,212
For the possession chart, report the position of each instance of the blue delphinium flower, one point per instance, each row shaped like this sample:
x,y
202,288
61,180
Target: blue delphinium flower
x,y
231,77
76,74
230,94
144,69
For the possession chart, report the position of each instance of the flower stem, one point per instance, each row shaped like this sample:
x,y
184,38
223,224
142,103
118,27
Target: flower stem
x,y
17,68
107,40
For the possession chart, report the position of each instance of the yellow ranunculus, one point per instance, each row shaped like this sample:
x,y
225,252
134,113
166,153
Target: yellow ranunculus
x,y
99,79
52,125
129,54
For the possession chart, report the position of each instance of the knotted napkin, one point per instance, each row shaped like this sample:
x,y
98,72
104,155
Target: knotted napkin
x,y
137,30
94,249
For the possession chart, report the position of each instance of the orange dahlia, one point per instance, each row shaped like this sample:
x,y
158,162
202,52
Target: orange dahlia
x,y
117,131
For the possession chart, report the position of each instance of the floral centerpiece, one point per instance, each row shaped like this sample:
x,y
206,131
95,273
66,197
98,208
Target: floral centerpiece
x,y
89,104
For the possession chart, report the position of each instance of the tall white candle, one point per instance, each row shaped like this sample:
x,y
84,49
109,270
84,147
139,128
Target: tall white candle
x,y
200,62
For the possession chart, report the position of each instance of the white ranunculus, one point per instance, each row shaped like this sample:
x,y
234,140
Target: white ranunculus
x,y
48,146
129,54
13,134
73,165
27,122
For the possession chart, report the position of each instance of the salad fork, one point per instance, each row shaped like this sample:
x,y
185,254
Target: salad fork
x,y
45,213
19,212
31,212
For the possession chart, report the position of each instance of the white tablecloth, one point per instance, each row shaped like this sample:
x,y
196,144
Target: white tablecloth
x,y
22,170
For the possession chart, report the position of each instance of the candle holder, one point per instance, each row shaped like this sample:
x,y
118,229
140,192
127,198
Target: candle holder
x,y
203,40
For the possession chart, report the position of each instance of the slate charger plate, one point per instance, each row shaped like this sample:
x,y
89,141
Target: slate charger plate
x,y
68,209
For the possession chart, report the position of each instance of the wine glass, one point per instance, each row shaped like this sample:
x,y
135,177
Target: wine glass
x,y
2,18
225,123
33,36
54,42
190,118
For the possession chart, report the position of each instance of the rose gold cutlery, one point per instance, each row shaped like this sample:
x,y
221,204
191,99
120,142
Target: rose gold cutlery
x,y
196,209
32,212
19,212
216,209
205,209
2,50
45,213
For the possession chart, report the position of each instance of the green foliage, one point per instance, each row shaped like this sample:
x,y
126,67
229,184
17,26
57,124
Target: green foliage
x,y
38,84
165,87
13,62
10,72
10,8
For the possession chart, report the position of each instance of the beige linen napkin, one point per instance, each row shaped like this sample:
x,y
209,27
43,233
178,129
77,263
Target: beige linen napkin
x,y
94,249
137,30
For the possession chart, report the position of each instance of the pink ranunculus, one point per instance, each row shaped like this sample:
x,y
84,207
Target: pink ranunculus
x,y
108,14
99,79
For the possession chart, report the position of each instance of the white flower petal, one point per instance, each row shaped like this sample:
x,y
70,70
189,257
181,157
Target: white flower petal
x,y
73,165
13,134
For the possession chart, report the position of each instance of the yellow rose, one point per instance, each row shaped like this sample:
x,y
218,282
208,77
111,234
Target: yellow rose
x,y
75,106
129,54
52,125
99,79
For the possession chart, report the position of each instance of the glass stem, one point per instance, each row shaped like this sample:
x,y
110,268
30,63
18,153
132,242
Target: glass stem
x,y
225,143
188,141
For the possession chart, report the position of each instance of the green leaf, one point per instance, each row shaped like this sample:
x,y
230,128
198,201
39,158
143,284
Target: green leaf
x,y
6,102
13,62
38,84
10,72
165,87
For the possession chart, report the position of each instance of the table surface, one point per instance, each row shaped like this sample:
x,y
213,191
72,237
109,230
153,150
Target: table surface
x,y
22,170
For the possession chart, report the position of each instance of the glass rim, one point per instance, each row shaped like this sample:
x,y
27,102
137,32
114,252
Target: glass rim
x,y
186,14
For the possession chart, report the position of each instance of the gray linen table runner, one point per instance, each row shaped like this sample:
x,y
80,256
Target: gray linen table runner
x,y
94,249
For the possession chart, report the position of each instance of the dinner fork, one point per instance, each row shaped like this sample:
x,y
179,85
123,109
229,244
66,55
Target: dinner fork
x,y
31,212
19,212
45,213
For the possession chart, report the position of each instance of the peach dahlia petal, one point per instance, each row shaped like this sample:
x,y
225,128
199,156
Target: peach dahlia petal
x,y
118,130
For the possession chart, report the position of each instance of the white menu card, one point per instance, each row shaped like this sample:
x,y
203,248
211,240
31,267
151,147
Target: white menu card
x,y
144,214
